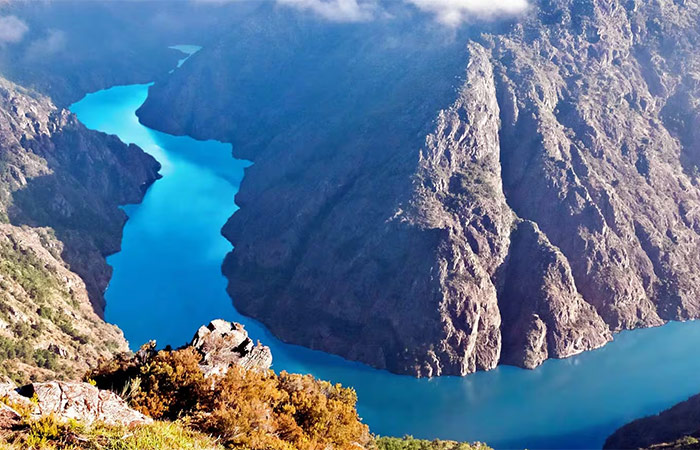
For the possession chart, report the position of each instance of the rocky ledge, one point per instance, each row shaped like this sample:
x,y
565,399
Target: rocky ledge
x,y
67,400
220,346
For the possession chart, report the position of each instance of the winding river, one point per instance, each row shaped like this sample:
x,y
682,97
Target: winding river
x,y
167,282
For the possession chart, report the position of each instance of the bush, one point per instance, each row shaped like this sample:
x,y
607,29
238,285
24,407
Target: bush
x,y
409,443
47,433
244,409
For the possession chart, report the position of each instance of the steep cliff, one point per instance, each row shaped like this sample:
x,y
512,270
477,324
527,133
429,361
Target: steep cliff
x,y
551,201
60,187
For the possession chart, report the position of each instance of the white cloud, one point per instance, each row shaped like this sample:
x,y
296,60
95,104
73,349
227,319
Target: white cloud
x,y
451,13
455,12
54,42
336,10
12,29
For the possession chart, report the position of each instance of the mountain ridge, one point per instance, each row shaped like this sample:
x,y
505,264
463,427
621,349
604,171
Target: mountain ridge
x,y
552,204
60,188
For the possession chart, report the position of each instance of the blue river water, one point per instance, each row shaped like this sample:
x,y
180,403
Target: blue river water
x,y
167,282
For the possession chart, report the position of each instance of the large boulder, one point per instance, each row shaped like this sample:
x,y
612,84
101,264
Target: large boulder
x,y
82,402
224,344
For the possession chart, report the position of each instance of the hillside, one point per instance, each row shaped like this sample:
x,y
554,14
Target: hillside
x,y
677,427
216,392
60,188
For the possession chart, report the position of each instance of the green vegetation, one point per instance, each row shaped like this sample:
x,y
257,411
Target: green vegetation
x,y
409,443
38,309
26,269
684,443
21,350
48,433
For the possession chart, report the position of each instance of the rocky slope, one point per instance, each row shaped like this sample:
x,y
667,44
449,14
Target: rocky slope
x,y
552,201
60,187
675,427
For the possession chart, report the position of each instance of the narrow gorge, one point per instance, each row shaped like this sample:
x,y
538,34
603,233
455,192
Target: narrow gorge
x,y
415,210
553,204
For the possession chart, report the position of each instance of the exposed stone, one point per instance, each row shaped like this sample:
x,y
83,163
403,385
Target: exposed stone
x,y
224,344
82,402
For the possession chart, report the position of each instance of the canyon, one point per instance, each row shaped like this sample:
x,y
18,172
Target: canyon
x,y
428,203
549,203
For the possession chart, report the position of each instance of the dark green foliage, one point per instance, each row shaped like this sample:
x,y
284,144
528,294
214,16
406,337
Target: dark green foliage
x,y
28,271
409,443
22,350
45,359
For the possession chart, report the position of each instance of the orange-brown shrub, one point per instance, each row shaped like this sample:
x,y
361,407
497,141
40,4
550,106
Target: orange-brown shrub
x,y
244,409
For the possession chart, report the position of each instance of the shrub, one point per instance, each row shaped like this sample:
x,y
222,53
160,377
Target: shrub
x,y
47,433
409,443
244,408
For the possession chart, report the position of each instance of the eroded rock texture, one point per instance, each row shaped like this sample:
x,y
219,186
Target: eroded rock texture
x,y
223,344
81,401
67,400
552,201
60,188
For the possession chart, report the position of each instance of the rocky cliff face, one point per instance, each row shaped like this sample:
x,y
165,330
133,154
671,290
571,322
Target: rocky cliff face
x,y
60,187
552,201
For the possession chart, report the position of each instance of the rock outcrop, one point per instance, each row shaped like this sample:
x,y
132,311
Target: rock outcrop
x,y
223,344
68,400
552,201
80,401
217,347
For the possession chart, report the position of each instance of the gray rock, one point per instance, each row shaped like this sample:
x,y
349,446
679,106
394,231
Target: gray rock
x,y
224,344
82,402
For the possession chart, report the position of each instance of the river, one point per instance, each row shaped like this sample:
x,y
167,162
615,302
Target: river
x,y
167,282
